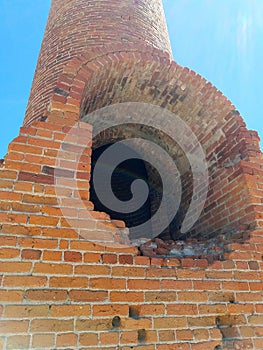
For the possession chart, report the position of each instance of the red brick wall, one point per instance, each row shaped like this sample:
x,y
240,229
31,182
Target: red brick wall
x,y
76,26
60,290
43,192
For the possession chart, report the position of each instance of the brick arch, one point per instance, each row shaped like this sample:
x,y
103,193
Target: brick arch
x,y
70,88
147,75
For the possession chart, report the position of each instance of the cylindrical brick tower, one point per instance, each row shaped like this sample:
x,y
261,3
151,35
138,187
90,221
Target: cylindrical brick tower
x,y
77,26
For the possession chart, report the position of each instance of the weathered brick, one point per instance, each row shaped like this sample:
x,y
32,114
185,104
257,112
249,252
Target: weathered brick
x,y
11,296
25,281
130,337
176,285
70,310
51,325
109,338
184,335
128,271
18,342
72,256
53,269
66,340
87,296
15,267
110,310
146,310
107,283
143,284
160,296
109,258
161,273
26,311
206,285
170,322
31,254
46,294
9,253
90,270
201,333
135,324
256,319
192,296
52,255
101,324
38,243
127,296
11,326
211,345
203,321
231,320
126,259
182,309
68,282
88,339
43,340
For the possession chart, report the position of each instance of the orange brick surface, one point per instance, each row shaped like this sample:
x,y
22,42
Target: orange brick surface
x,y
65,281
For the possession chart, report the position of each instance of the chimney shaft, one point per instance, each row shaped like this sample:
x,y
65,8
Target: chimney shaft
x,y
76,26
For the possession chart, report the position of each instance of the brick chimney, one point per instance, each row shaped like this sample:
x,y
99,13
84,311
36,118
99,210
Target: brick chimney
x,y
70,277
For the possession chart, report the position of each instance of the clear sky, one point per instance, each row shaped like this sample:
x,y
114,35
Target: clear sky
x,y
220,39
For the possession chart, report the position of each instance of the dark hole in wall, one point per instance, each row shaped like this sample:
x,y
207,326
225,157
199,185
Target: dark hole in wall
x,y
122,178
121,182
167,226
173,243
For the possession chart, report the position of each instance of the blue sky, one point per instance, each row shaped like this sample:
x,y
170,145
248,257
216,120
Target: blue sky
x,y
220,39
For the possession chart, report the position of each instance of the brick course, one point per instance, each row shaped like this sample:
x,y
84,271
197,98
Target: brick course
x,y
198,306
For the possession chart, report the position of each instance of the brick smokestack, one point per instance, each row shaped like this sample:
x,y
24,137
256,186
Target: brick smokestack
x,y
77,26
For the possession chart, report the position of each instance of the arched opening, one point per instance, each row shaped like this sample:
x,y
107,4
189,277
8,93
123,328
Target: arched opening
x,y
165,225
221,132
